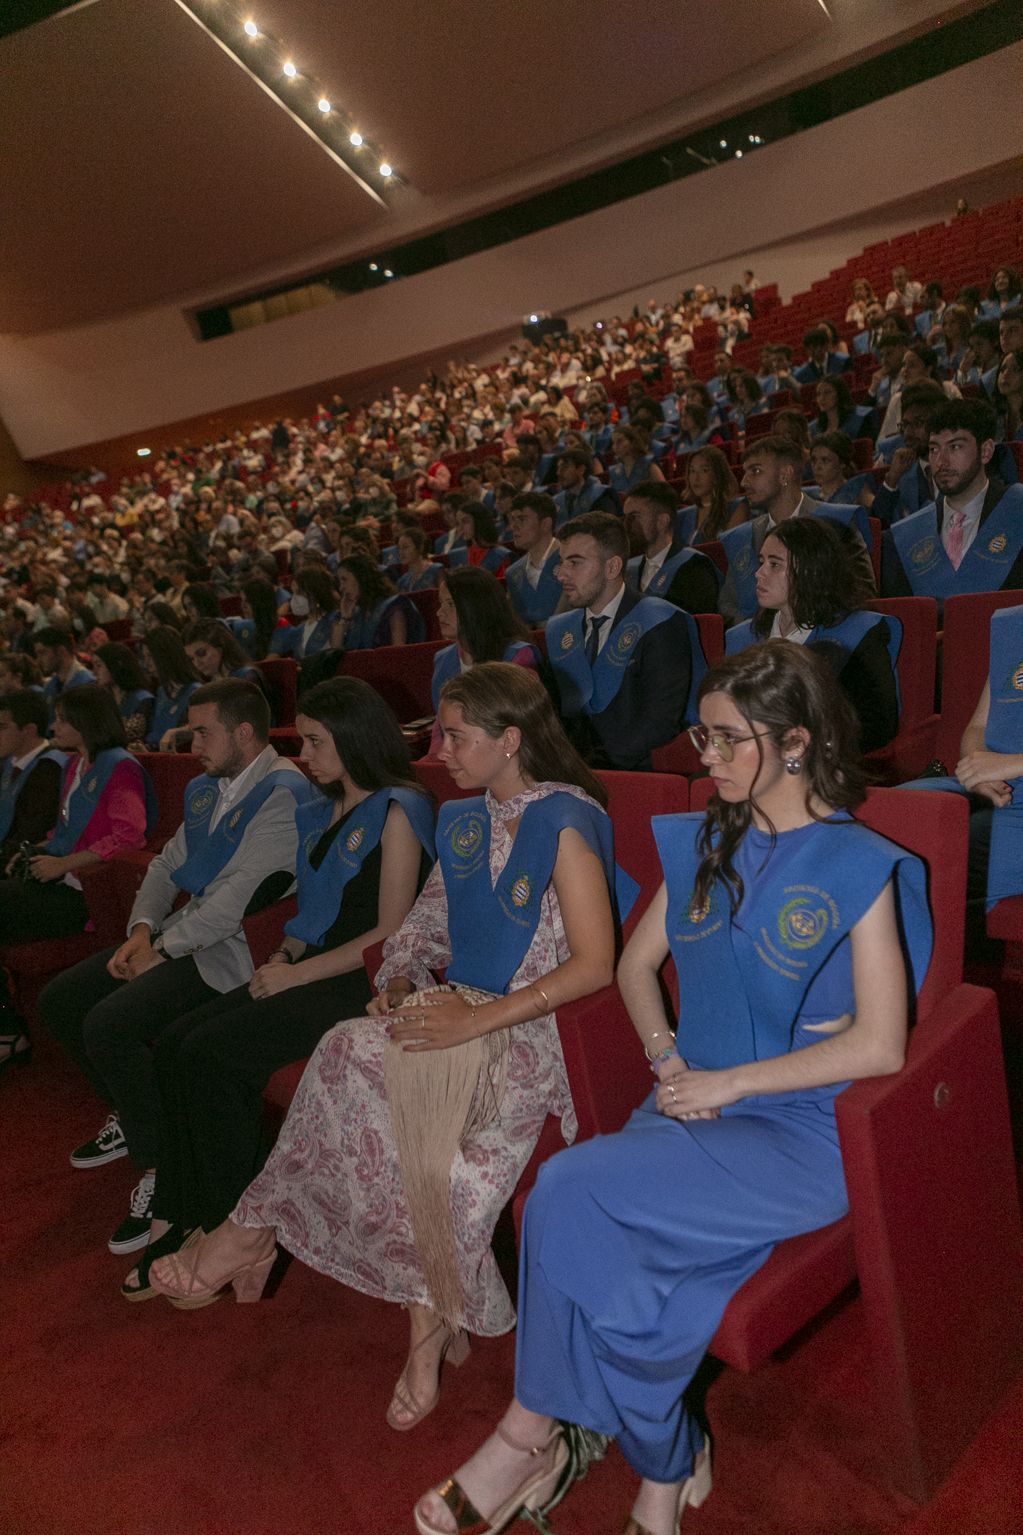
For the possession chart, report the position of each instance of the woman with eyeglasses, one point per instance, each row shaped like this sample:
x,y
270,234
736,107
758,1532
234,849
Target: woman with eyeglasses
x,y
796,934
804,586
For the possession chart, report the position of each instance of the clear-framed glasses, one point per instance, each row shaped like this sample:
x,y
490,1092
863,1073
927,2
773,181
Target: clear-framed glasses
x,y
721,741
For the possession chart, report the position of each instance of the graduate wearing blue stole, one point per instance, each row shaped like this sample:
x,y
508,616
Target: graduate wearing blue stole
x,y
79,808
447,663
11,787
534,604
633,1244
208,852
989,563
321,890
368,630
742,547
169,713
996,860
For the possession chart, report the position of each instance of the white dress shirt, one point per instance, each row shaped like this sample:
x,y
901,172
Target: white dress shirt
x,y
610,613
231,790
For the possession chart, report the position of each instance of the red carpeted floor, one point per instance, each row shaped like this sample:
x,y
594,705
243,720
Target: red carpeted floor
x,y
269,1419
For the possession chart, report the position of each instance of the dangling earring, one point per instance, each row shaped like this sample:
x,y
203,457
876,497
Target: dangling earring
x,y
793,765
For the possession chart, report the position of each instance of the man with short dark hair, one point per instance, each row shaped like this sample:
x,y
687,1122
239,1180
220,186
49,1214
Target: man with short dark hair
x,y
772,482
627,667
55,653
31,773
970,537
907,484
666,568
531,582
580,490
234,852
982,357
891,350
821,361
1010,330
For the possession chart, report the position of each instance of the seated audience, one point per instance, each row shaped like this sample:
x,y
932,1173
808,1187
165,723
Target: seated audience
x,y
480,624
821,360
176,679
803,585
716,503
372,611
1005,292
837,413
919,366
421,574
970,537
626,666
215,653
18,672
579,489
833,462
55,656
106,807
531,582
737,1147
234,851
905,292
31,775
480,536
1008,396
213,1063
746,397
118,670
451,1085
907,484
862,296
314,606
979,363
633,463
666,567
260,601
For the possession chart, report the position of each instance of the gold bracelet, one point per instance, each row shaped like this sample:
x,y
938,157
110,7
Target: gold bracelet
x,y
657,1034
534,986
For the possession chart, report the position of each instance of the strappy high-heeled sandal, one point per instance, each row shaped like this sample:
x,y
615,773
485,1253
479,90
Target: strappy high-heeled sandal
x,y
183,1285
535,1493
169,1243
454,1350
692,1493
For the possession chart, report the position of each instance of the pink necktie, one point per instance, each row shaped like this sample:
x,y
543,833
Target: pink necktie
x,y
954,538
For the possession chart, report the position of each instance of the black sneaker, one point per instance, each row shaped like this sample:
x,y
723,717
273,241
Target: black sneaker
x,y
108,1145
133,1232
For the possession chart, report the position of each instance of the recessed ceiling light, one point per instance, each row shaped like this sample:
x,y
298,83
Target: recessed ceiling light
x,y
373,267
323,104
143,452
355,138
251,30
290,70
386,170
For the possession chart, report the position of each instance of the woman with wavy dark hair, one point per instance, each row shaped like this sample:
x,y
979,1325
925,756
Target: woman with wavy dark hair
x,y
475,614
803,587
176,679
259,607
476,525
1005,292
117,668
372,611
411,1126
737,1147
837,411
833,462
716,503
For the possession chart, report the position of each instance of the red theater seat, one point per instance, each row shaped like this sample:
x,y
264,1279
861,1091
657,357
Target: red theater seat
x,y
680,755
401,674
913,748
966,641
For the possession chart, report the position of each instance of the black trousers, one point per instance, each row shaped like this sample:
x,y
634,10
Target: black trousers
x,y
211,1068
107,1027
30,911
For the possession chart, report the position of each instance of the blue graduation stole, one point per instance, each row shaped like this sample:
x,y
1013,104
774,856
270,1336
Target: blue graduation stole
x,y
661,583
169,713
622,482
743,979
986,563
584,501
492,925
244,631
459,556
208,852
9,791
848,633
362,635
87,796
534,604
135,702
738,544
590,691
321,891
447,664
685,524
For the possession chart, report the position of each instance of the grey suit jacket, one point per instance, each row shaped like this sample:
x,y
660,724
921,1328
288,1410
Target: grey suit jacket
x,y
209,927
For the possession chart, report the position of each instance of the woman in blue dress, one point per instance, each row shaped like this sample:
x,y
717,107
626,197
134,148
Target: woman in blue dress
x,y
780,912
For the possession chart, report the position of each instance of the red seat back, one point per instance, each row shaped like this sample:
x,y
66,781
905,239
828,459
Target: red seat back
x,y
966,647
401,674
169,772
281,674
916,666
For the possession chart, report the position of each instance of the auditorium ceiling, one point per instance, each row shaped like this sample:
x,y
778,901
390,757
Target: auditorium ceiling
x,y
142,166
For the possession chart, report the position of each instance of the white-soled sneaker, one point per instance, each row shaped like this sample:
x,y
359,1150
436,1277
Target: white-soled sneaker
x,y
133,1232
107,1146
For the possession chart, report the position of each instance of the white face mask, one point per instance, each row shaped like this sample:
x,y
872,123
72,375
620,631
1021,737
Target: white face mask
x,y
299,606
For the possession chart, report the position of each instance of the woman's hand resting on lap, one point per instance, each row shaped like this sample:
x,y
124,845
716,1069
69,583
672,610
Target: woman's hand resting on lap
x,y
685,1094
435,1023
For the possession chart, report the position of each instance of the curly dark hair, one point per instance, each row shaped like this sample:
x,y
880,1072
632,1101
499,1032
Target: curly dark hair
x,y
844,403
374,586
779,687
820,577
487,622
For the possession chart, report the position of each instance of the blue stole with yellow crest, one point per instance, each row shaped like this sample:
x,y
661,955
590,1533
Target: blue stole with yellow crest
x,y
321,891
740,549
586,690
492,924
744,978
447,664
1004,733
849,632
87,796
986,563
661,583
9,790
207,852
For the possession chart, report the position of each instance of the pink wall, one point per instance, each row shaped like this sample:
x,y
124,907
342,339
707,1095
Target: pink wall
x,y
784,204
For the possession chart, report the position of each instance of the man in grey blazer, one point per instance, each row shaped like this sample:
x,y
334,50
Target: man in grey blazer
x,y
234,852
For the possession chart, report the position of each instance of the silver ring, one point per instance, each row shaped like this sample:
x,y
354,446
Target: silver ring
x,y
671,1090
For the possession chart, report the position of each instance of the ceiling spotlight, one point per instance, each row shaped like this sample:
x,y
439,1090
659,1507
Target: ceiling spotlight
x,y
753,138
373,267
355,138
724,143
532,319
143,452
388,272
251,30
290,70
385,170
323,104
738,154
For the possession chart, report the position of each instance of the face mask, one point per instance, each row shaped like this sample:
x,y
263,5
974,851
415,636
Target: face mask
x,y
299,606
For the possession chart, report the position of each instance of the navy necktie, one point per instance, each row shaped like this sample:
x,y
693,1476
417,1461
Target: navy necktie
x,y
593,639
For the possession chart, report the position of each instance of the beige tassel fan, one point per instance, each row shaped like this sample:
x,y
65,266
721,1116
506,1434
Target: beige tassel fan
x,y
437,1100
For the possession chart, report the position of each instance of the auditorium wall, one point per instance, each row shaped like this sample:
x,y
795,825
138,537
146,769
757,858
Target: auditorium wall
x,y
792,210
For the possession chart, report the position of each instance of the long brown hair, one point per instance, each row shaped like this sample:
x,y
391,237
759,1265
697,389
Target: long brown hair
x,y
725,487
779,687
497,694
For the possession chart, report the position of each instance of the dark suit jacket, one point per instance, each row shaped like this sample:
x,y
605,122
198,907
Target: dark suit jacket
x,y
895,582
35,810
887,505
648,708
862,565
696,584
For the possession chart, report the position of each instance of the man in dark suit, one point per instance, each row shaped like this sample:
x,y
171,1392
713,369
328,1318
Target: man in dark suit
x,y
665,568
907,484
30,776
970,537
624,664
821,362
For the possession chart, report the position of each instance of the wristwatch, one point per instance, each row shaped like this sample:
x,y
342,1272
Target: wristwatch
x,y
157,946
